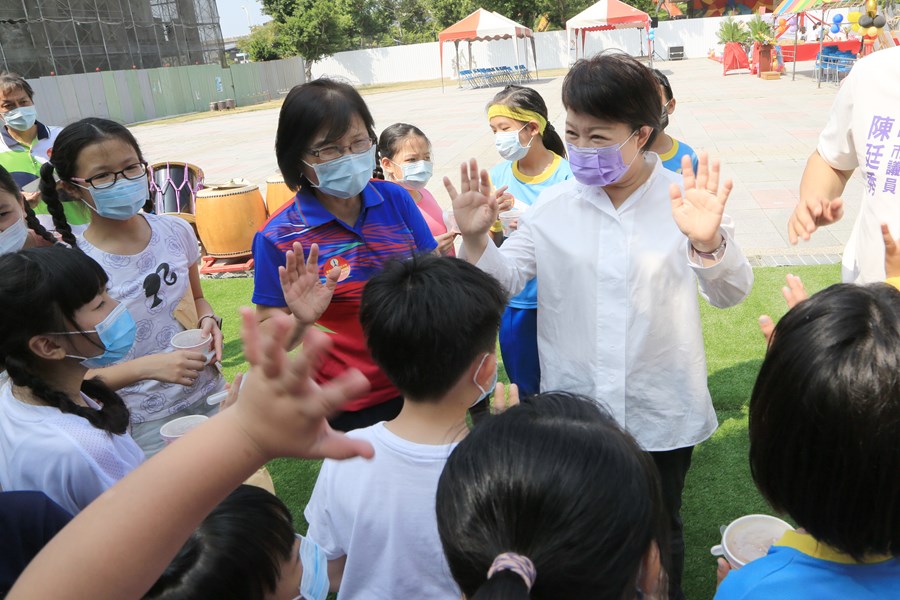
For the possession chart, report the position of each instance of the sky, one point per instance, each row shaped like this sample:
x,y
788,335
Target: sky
x,y
233,18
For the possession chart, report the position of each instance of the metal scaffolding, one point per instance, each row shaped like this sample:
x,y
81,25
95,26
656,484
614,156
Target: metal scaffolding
x,y
61,37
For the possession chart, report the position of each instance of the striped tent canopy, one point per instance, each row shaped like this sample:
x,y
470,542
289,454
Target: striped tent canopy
x,y
791,7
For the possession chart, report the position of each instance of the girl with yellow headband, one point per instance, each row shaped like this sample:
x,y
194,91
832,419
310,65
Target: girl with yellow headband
x,y
534,159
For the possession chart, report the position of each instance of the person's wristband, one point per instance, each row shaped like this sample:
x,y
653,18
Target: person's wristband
x,y
212,316
715,255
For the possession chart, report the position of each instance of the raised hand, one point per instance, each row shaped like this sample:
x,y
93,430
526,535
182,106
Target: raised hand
x,y
475,207
304,293
794,293
698,213
891,253
812,213
279,406
499,402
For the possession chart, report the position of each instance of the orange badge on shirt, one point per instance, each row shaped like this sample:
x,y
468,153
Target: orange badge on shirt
x,y
337,262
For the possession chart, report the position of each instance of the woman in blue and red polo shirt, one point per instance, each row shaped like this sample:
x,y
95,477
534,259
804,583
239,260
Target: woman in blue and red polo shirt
x,y
325,146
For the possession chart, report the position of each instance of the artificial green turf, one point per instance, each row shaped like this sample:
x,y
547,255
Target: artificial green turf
x,y
718,489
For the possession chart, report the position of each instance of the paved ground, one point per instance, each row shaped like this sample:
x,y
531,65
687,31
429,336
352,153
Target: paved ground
x,y
762,130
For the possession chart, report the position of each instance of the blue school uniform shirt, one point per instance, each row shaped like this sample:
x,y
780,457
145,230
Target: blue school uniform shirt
x,y
389,225
526,188
797,567
671,160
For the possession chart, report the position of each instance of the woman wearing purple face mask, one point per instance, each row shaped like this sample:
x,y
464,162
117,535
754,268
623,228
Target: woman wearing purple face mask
x,y
620,251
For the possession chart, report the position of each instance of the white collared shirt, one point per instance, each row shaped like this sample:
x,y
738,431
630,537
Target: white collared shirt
x,y
618,315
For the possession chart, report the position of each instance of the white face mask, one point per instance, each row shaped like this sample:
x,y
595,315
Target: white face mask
x,y
508,145
12,239
485,392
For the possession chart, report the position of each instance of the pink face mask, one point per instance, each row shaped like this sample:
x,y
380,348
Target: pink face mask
x,y
598,166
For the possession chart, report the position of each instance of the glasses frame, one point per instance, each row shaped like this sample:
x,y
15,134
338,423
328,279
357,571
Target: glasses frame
x,y
317,152
115,174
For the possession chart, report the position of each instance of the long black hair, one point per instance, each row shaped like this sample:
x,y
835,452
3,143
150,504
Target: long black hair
x,y
556,480
40,291
64,163
8,184
526,98
236,553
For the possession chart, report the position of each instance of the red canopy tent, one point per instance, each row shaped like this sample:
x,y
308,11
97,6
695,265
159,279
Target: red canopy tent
x,y
484,25
605,15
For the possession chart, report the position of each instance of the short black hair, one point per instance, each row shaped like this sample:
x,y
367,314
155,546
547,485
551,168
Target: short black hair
x,y
427,318
557,480
236,552
615,87
664,82
825,419
320,105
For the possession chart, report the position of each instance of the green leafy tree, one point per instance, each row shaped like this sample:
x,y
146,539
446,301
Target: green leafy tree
x,y
312,29
263,43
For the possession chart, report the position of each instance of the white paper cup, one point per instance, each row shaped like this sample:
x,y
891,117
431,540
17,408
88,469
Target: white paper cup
x,y
509,220
450,222
748,538
176,428
196,340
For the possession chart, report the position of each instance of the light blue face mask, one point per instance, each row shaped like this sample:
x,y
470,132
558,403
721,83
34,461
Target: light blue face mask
x,y
416,174
485,392
116,332
314,584
346,176
122,200
22,118
508,145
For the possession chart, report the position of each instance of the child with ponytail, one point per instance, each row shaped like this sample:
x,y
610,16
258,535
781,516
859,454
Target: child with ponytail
x,y
61,433
152,265
19,227
515,114
404,157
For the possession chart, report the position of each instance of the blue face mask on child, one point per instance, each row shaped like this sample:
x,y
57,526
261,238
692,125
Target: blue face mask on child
x,y
122,200
314,584
116,333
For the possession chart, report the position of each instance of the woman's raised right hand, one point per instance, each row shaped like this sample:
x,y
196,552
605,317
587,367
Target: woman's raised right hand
x,y
475,206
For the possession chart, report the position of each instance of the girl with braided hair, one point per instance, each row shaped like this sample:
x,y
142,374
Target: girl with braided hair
x,y
19,227
152,265
61,433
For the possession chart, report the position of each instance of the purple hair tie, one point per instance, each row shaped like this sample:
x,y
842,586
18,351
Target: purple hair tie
x,y
518,564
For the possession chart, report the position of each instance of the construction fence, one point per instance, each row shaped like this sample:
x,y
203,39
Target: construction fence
x,y
131,96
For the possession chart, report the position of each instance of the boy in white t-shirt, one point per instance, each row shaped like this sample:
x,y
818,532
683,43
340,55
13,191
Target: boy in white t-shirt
x,y
431,324
863,131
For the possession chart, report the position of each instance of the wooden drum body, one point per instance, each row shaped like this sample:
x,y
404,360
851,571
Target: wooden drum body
x,y
277,193
228,217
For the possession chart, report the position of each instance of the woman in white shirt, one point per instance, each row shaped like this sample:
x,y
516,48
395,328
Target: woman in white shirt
x,y
619,252
60,433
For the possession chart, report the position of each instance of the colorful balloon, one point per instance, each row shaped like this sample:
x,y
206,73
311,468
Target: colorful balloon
x,y
879,21
853,17
838,18
872,32
835,28
866,21
871,7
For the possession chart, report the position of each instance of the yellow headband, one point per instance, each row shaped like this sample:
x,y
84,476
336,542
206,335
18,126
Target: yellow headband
x,y
518,114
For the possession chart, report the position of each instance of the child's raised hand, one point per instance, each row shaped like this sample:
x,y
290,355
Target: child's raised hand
x,y
475,207
280,408
304,293
794,293
500,402
891,253
698,213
